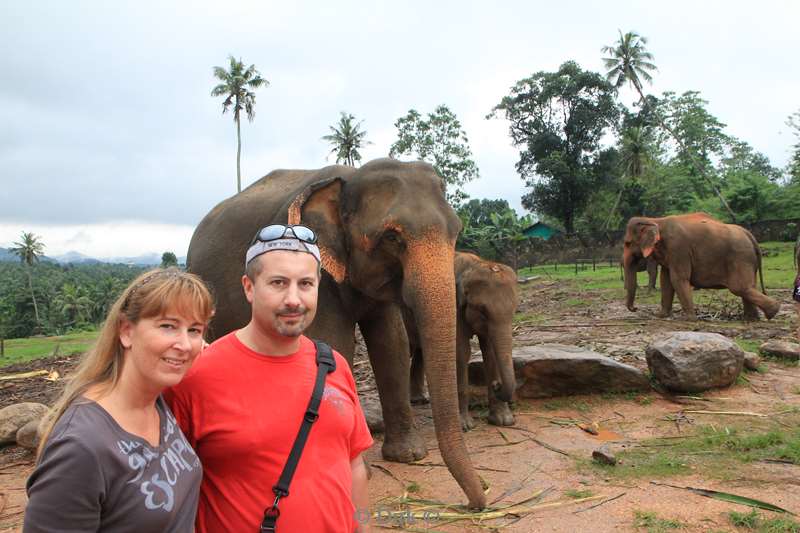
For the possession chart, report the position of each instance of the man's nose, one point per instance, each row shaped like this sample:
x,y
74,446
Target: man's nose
x,y
293,296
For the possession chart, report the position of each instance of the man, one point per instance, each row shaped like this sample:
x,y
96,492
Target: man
x,y
242,403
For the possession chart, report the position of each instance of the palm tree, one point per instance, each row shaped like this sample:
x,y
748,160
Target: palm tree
x,y
635,156
237,87
29,249
347,139
630,62
73,303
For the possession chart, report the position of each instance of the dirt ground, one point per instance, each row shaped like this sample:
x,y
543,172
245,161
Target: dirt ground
x,y
546,453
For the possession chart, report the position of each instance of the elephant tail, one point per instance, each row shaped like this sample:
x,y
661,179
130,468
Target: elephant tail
x,y
759,265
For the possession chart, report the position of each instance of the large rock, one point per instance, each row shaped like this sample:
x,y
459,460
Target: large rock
x,y
688,361
782,349
557,370
13,417
28,435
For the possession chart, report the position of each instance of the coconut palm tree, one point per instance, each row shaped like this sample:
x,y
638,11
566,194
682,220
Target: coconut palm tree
x,y
347,139
630,62
73,304
237,86
29,249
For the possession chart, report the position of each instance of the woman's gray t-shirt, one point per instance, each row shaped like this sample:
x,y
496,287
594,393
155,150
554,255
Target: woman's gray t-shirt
x,y
95,476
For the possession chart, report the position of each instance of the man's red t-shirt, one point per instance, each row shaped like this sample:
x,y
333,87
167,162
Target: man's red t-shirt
x,y
241,411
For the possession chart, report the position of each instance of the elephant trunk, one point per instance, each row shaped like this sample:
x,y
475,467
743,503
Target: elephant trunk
x,y
498,362
429,289
629,267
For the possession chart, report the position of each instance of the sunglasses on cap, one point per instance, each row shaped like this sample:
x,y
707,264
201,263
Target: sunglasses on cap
x,y
274,232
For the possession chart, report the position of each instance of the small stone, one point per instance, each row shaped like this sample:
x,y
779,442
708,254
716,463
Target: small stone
x,y
604,456
373,414
782,349
751,361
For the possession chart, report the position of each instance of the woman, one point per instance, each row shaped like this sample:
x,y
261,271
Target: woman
x,y
112,457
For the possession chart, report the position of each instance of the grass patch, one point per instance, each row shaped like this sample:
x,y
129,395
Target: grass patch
x,y
578,494
653,524
529,318
413,487
748,345
754,521
713,452
23,350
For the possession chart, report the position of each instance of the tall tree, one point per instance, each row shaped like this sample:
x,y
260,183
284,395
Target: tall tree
x,y
237,85
29,249
347,139
439,140
630,62
559,118
73,303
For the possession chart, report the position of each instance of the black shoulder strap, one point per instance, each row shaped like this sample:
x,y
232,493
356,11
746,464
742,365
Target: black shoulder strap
x,y
325,365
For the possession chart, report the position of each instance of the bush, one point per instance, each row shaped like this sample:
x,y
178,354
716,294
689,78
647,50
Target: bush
x,y
789,233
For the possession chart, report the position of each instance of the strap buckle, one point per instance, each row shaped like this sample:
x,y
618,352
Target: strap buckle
x,y
271,515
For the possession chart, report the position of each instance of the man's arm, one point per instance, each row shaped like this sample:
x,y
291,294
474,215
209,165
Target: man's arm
x,y
360,494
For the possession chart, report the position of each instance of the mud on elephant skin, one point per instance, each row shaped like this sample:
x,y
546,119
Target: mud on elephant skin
x,y
486,300
387,238
696,251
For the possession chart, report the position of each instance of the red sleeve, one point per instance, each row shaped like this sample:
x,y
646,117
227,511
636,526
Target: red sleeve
x,y
177,401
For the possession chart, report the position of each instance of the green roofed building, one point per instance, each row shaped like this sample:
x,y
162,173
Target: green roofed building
x,y
541,230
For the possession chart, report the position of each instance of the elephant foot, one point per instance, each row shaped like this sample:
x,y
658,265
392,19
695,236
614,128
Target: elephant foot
x,y
772,310
664,314
467,422
407,449
419,398
689,317
751,317
501,415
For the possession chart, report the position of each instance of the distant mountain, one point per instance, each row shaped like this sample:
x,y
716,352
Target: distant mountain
x,y
76,258
151,259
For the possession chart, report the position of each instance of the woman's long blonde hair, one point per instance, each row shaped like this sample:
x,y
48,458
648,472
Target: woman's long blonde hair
x,y
149,295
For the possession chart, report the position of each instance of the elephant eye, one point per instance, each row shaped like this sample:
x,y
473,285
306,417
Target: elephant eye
x,y
392,236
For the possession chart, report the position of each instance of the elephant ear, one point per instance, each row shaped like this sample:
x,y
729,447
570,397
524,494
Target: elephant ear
x,y
318,207
649,236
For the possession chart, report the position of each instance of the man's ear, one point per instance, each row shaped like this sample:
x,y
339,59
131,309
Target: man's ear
x,y
649,236
318,207
247,285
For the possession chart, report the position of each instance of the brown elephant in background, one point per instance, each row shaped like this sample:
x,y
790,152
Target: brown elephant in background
x,y
650,265
387,238
696,251
486,300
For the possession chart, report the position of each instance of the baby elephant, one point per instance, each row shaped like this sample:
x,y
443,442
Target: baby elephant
x,y
486,295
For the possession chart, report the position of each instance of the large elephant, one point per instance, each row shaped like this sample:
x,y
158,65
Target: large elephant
x,y
387,238
487,298
696,251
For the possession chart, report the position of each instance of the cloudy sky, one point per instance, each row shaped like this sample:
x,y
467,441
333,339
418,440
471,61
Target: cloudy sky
x,y
110,143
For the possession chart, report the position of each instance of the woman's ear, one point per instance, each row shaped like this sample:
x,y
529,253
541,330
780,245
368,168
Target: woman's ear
x,y
318,207
126,333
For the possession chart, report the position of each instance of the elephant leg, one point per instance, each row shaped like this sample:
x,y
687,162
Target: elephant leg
x,y
667,294
684,290
750,310
387,344
463,353
499,411
417,390
754,298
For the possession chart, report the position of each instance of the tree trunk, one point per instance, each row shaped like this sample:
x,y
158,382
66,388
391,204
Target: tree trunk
x,y
33,297
697,166
238,156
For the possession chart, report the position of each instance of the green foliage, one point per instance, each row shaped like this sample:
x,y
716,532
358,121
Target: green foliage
x,y
558,120
493,230
347,139
439,140
793,168
789,233
653,524
71,297
754,521
168,259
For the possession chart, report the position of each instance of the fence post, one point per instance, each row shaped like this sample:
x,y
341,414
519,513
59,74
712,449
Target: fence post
x,y
2,347
576,267
593,264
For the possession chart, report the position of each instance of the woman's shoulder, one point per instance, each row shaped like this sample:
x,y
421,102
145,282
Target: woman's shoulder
x,y
84,425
